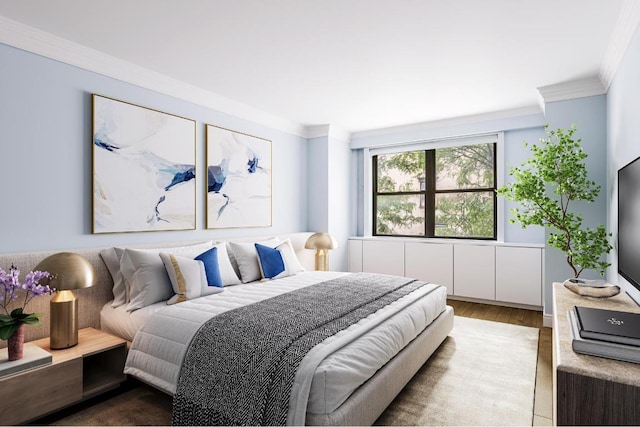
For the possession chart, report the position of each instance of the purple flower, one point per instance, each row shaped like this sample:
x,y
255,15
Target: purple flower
x,y
10,285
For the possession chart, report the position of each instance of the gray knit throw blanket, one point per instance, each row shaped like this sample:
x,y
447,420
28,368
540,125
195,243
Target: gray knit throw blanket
x,y
240,366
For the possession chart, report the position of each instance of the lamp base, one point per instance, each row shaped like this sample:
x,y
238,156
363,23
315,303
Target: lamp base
x,y
64,320
322,260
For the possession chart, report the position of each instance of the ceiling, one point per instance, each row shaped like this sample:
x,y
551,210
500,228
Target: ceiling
x,y
354,64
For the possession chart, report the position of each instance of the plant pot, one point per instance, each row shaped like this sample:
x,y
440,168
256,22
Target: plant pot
x,y
592,288
15,343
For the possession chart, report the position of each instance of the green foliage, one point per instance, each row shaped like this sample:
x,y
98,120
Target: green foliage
x,y
557,164
394,213
410,163
470,165
9,323
468,215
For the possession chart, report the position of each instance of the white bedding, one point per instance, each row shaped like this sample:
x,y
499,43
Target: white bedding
x,y
156,354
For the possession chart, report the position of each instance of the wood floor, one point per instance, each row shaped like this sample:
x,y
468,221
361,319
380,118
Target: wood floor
x,y
543,410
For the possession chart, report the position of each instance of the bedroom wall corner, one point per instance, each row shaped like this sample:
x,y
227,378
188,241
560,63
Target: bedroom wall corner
x,y
329,192
590,117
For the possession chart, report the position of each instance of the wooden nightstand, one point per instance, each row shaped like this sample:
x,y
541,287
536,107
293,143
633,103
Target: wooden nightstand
x,y
93,366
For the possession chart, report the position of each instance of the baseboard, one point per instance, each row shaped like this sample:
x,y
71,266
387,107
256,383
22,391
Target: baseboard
x,y
491,302
547,320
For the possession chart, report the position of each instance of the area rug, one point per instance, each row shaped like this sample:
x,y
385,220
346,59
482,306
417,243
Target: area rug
x,y
483,374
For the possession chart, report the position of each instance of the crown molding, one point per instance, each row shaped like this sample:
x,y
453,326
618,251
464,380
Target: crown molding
x,y
32,40
328,131
625,28
571,90
447,123
317,131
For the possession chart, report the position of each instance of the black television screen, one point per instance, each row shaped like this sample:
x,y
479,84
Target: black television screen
x,y
629,222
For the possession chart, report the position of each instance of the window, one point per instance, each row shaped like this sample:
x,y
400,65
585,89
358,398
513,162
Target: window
x,y
441,192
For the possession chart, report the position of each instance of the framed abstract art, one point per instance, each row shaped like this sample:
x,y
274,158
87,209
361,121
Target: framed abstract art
x,y
143,169
238,179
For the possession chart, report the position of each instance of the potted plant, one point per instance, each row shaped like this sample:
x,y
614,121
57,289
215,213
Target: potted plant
x,y
12,323
545,185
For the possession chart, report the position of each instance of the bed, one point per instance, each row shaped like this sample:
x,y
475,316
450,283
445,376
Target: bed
x,y
348,380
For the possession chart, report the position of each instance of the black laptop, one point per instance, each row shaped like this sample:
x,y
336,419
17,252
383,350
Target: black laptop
x,y
608,325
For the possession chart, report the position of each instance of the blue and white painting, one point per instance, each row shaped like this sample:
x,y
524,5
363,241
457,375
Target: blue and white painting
x,y
238,179
143,169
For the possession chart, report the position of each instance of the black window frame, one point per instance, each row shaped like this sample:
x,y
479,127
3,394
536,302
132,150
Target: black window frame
x,y
429,193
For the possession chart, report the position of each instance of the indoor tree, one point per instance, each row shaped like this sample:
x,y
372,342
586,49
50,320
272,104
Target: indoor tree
x,y
545,185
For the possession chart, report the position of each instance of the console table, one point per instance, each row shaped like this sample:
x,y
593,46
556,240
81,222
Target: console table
x,y
589,390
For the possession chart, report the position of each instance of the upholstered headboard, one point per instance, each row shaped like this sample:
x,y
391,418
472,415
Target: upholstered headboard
x,y
91,300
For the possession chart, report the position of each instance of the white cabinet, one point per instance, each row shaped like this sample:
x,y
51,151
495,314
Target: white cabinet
x,y
518,275
382,256
474,271
355,256
488,271
431,262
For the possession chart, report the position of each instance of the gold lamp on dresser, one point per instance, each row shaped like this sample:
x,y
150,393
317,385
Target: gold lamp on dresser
x,y
322,243
70,271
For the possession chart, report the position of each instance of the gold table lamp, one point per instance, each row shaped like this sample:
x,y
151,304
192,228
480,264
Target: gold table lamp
x,y
321,242
70,271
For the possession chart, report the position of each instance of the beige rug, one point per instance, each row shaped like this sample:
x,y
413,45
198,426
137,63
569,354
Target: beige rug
x,y
483,374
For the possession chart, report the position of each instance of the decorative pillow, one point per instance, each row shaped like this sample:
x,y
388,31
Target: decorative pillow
x,y
246,258
227,272
146,277
290,257
188,278
112,258
278,262
211,268
271,262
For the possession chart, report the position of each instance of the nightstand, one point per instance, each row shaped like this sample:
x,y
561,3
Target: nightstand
x,y
92,367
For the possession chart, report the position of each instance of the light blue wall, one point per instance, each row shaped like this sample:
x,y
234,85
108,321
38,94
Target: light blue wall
x,y
623,141
514,154
45,126
590,117
516,130
339,180
318,186
329,168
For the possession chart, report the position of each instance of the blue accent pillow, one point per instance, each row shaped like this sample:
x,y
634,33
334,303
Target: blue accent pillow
x,y
211,267
271,262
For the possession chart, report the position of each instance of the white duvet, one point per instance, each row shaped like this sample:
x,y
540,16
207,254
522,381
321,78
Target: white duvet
x,y
328,374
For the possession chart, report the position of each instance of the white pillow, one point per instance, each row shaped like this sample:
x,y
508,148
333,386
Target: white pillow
x,y
113,256
144,274
246,258
290,257
147,278
227,272
188,278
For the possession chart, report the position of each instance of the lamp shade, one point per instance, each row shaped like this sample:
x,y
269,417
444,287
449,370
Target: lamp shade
x,y
69,271
321,241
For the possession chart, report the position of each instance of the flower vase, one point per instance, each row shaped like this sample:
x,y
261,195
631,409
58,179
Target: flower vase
x,y
15,343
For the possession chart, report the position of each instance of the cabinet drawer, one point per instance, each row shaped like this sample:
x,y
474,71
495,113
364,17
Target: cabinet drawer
x,y
29,395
